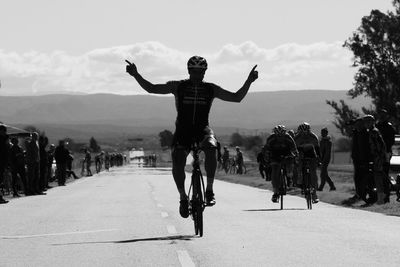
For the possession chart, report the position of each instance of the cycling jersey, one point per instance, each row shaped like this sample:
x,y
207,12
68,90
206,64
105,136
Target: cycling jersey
x,y
308,145
279,146
193,104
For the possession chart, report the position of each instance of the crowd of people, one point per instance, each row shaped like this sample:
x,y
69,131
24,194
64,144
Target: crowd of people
x,y
31,169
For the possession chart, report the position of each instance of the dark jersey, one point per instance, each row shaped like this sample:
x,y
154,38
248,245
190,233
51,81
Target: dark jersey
x,y
278,147
193,104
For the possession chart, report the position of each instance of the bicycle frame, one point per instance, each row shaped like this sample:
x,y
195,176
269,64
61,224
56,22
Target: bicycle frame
x,y
196,193
308,189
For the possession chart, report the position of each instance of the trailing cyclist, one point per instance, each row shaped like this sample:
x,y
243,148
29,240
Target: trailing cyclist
x,y
308,146
193,100
280,149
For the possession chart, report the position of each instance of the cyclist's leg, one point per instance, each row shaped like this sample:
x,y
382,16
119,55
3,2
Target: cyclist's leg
x,y
289,166
275,179
210,165
178,169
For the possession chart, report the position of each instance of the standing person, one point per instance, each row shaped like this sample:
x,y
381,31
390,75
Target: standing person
x,y
43,142
239,160
107,161
262,165
4,153
33,164
361,156
70,172
193,99
225,159
308,146
61,155
325,145
50,159
378,153
388,134
88,161
17,163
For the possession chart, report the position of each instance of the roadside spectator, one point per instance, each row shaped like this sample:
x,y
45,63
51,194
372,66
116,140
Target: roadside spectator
x,y
388,134
325,145
239,160
378,152
43,142
362,160
70,171
88,162
107,161
50,159
225,159
61,155
262,165
33,164
4,150
17,164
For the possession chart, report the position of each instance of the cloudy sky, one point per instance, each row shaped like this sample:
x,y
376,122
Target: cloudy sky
x,y
79,46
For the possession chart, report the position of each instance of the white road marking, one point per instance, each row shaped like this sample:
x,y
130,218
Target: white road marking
x,y
159,205
57,234
185,259
171,229
164,214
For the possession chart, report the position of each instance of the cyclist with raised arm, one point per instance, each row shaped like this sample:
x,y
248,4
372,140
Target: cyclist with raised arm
x,y
280,149
308,146
193,100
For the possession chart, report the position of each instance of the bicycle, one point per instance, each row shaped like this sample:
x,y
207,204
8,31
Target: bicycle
x,y
308,189
282,179
196,199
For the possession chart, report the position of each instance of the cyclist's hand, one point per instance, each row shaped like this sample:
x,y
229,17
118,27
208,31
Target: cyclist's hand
x,y
253,75
131,68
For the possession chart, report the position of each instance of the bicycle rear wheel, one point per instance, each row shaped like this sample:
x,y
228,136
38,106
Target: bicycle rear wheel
x,y
307,191
198,203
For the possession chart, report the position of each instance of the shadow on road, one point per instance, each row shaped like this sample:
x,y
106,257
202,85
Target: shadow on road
x,y
275,209
159,238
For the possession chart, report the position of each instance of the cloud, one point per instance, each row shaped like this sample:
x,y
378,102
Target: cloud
x,y
289,66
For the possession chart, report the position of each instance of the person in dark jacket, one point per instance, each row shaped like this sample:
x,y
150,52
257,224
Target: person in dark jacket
x,y
378,152
362,160
61,155
4,152
17,164
33,164
50,159
43,142
388,134
325,145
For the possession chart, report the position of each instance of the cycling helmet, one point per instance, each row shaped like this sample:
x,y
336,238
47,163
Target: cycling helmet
x,y
304,127
197,62
279,129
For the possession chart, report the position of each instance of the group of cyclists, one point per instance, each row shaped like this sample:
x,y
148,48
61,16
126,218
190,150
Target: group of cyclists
x,y
291,149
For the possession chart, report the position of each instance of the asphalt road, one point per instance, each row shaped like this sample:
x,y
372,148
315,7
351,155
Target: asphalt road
x,y
129,217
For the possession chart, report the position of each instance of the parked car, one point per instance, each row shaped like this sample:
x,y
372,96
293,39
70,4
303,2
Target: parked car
x,y
395,160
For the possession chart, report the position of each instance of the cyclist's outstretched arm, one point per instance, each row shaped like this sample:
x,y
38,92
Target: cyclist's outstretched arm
x,y
241,93
162,89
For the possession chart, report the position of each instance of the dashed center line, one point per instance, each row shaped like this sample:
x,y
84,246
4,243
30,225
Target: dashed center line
x,y
185,259
159,205
164,214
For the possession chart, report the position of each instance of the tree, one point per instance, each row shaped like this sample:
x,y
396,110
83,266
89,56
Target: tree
x,y
93,145
376,48
166,138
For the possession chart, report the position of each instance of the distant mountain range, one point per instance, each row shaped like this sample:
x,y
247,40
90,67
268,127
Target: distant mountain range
x,y
102,115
